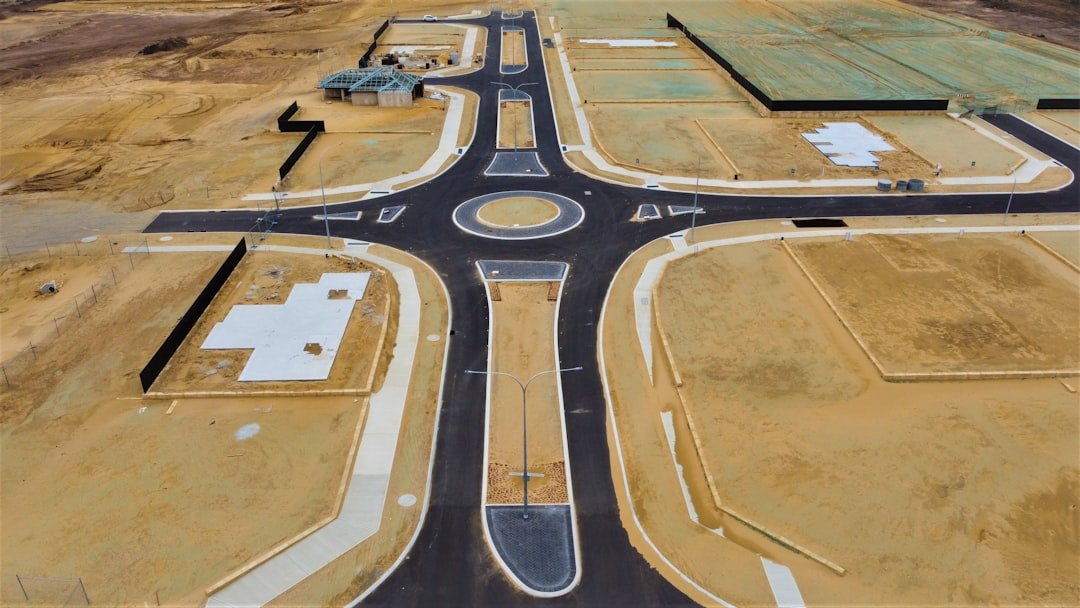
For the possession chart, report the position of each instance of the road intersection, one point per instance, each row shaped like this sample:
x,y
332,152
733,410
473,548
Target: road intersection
x,y
449,564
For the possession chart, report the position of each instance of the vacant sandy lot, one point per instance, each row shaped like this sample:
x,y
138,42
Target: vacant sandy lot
x,y
965,486
523,344
95,124
267,277
173,494
945,305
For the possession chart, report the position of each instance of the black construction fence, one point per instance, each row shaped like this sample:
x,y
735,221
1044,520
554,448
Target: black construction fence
x,y
286,125
1058,104
186,323
365,59
808,105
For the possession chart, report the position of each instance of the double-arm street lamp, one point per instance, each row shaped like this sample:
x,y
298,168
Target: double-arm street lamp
x,y
524,386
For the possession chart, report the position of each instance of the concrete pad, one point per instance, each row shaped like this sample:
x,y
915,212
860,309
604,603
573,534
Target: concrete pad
x,y
848,144
278,334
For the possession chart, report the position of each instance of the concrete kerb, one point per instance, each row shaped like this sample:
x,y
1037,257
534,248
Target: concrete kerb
x,y
614,430
566,455
518,96
647,284
1064,260
571,214
407,342
593,155
431,454
1035,126
431,168
515,68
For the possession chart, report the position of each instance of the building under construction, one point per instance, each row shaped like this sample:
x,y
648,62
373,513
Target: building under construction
x,y
384,86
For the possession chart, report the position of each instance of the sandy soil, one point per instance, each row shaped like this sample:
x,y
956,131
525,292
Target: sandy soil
x,y
960,486
769,148
172,493
517,211
564,111
1056,20
193,127
949,143
267,277
513,48
1063,124
516,125
943,305
341,581
1066,244
522,344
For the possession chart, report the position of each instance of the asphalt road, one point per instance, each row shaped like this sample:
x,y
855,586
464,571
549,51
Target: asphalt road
x,y
450,563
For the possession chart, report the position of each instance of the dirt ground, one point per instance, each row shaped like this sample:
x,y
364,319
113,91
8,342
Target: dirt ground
x,y
516,125
89,119
1056,20
267,277
1066,244
517,211
513,48
171,493
962,486
523,344
75,406
943,141
945,305
1063,124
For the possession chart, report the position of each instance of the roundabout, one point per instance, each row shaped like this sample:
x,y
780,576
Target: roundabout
x,y
518,215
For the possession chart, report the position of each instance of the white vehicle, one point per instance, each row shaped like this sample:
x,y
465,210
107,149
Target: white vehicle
x,y
430,18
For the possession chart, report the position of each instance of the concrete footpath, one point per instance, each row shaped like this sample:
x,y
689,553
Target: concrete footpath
x,y
447,149
362,509
1028,171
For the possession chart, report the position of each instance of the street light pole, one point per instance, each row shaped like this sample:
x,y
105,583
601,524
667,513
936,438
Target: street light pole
x,y
524,386
325,217
516,89
1008,205
697,186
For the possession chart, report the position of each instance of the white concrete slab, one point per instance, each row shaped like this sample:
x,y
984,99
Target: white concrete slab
x,y
848,144
278,334
783,585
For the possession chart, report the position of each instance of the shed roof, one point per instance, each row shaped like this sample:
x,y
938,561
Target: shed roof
x,y
370,80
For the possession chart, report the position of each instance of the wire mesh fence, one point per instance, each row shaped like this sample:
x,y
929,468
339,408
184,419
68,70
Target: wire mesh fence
x,y
123,258
52,591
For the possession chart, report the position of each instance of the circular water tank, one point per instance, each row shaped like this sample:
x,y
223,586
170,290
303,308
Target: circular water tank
x,y
884,185
916,185
901,185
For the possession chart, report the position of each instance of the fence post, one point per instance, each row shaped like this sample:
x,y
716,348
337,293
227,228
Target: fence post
x,y
77,252
130,263
56,325
49,251
94,291
110,247
83,587
8,383
113,271
33,350
17,576
76,299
